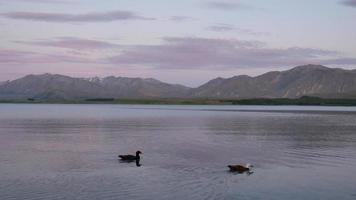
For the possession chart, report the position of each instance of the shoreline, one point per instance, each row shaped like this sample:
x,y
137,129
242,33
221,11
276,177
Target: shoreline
x,y
303,101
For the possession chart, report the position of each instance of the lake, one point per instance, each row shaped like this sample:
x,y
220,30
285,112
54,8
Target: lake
x,y
69,152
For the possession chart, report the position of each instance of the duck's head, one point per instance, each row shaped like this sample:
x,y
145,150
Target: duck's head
x,y
248,165
138,152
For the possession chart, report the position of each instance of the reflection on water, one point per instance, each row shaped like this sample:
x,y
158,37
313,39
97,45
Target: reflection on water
x,y
70,152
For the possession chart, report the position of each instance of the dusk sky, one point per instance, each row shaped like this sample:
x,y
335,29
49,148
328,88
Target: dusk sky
x,y
186,41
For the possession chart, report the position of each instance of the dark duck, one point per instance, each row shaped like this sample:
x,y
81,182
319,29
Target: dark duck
x,y
131,158
246,168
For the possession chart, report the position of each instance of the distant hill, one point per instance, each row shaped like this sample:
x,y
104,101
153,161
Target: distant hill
x,y
308,80
49,86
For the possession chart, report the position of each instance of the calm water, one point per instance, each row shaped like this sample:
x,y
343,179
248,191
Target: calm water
x,y
62,152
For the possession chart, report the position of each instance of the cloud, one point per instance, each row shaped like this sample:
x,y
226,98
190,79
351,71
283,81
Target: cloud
x,y
38,1
221,27
181,18
198,53
340,61
72,43
87,17
9,56
226,5
175,53
228,27
351,3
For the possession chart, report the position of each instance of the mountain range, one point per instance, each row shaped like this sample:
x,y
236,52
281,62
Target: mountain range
x,y
307,80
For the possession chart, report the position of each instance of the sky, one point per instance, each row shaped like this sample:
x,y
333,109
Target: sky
x,y
187,41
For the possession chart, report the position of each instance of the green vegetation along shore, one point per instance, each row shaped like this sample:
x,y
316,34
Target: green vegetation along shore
x,y
197,101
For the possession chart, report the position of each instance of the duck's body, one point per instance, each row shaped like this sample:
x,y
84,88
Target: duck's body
x,y
130,157
240,168
127,157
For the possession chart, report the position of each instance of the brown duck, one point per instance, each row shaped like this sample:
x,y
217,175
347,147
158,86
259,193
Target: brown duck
x,y
131,157
240,168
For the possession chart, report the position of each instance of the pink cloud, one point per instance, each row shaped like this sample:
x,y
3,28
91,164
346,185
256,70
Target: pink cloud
x,y
25,57
351,3
196,53
227,5
72,43
63,17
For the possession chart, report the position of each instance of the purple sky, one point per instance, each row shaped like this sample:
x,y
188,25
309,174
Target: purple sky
x,y
186,41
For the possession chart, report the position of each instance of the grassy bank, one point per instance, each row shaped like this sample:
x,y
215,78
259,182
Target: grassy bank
x,y
197,101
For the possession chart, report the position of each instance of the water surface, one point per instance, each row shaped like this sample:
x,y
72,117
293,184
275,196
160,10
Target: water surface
x,y
62,152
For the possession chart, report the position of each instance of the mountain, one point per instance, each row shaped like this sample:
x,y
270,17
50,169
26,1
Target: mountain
x,y
49,86
138,87
308,80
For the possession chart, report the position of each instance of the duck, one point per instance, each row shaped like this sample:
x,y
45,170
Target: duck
x,y
131,158
242,168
